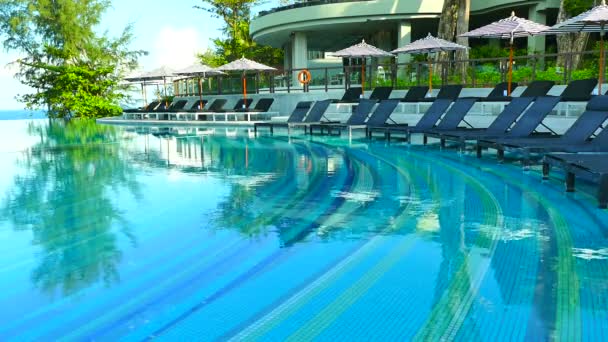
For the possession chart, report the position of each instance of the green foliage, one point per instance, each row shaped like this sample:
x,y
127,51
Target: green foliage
x,y
492,51
75,71
236,42
550,74
212,59
523,74
582,74
576,7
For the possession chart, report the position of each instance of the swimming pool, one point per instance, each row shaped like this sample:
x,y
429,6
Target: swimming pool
x,y
213,234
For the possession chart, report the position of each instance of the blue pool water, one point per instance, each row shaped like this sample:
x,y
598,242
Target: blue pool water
x,y
212,234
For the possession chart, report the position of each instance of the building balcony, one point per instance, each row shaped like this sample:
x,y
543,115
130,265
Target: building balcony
x,y
333,24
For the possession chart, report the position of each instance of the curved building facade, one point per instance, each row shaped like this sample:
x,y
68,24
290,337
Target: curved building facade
x,y
308,29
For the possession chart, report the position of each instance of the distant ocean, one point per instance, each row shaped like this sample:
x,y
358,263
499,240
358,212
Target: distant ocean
x,y
21,115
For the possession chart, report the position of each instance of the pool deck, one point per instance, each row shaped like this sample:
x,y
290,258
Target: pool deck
x,y
152,122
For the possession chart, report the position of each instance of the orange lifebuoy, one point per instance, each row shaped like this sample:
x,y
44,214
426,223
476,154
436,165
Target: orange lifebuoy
x,y
304,76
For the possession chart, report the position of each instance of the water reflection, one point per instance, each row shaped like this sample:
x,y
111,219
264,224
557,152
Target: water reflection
x,y
66,197
272,182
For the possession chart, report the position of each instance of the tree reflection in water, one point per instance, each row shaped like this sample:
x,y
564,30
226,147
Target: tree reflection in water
x,y
65,198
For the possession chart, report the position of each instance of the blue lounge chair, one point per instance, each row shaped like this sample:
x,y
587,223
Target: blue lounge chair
x,y
525,126
593,167
297,116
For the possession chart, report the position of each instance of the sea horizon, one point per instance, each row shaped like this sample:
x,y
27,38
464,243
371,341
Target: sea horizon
x,y
21,114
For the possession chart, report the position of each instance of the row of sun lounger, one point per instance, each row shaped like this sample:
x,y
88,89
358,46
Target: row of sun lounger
x,y
199,109
519,128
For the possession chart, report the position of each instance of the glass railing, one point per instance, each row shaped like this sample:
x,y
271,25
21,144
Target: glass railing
x,y
476,73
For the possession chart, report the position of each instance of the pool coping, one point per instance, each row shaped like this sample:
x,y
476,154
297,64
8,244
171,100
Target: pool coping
x,y
150,122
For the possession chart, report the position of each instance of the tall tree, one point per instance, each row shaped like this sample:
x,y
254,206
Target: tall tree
x,y
236,41
74,70
454,20
572,42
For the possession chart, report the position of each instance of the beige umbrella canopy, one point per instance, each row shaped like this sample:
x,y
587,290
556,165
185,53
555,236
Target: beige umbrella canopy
x,y
362,50
200,71
159,74
137,78
429,45
594,20
508,28
243,65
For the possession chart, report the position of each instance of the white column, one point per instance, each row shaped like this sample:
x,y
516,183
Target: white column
x,y
299,51
404,37
299,54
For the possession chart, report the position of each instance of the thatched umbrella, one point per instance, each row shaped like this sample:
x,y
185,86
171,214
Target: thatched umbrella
x,y
243,65
200,71
594,20
429,45
137,78
159,74
362,50
508,28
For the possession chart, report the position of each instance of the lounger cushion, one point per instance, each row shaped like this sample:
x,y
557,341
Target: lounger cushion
x,y
598,104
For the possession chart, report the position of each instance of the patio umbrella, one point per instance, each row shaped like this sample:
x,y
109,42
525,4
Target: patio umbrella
x,y
200,71
243,65
137,78
362,50
508,28
159,74
429,45
594,20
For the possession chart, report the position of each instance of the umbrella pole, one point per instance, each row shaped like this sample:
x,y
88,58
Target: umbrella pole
x,y
602,55
363,77
430,74
200,93
165,86
510,69
244,89
143,95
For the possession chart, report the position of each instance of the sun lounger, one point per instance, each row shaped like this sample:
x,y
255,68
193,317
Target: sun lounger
x,y
151,106
351,95
581,131
579,90
316,115
534,89
199,106
452,118
450,92
241,105
177,106
593,167
262,106
357,118
428,121
525,126
381,93
215,107
498,127
500,90
297,116
414,94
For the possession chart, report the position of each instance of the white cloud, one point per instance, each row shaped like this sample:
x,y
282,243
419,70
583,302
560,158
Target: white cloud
x,y
177,47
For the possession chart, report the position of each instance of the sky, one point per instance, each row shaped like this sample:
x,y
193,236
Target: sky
x,y
171,31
